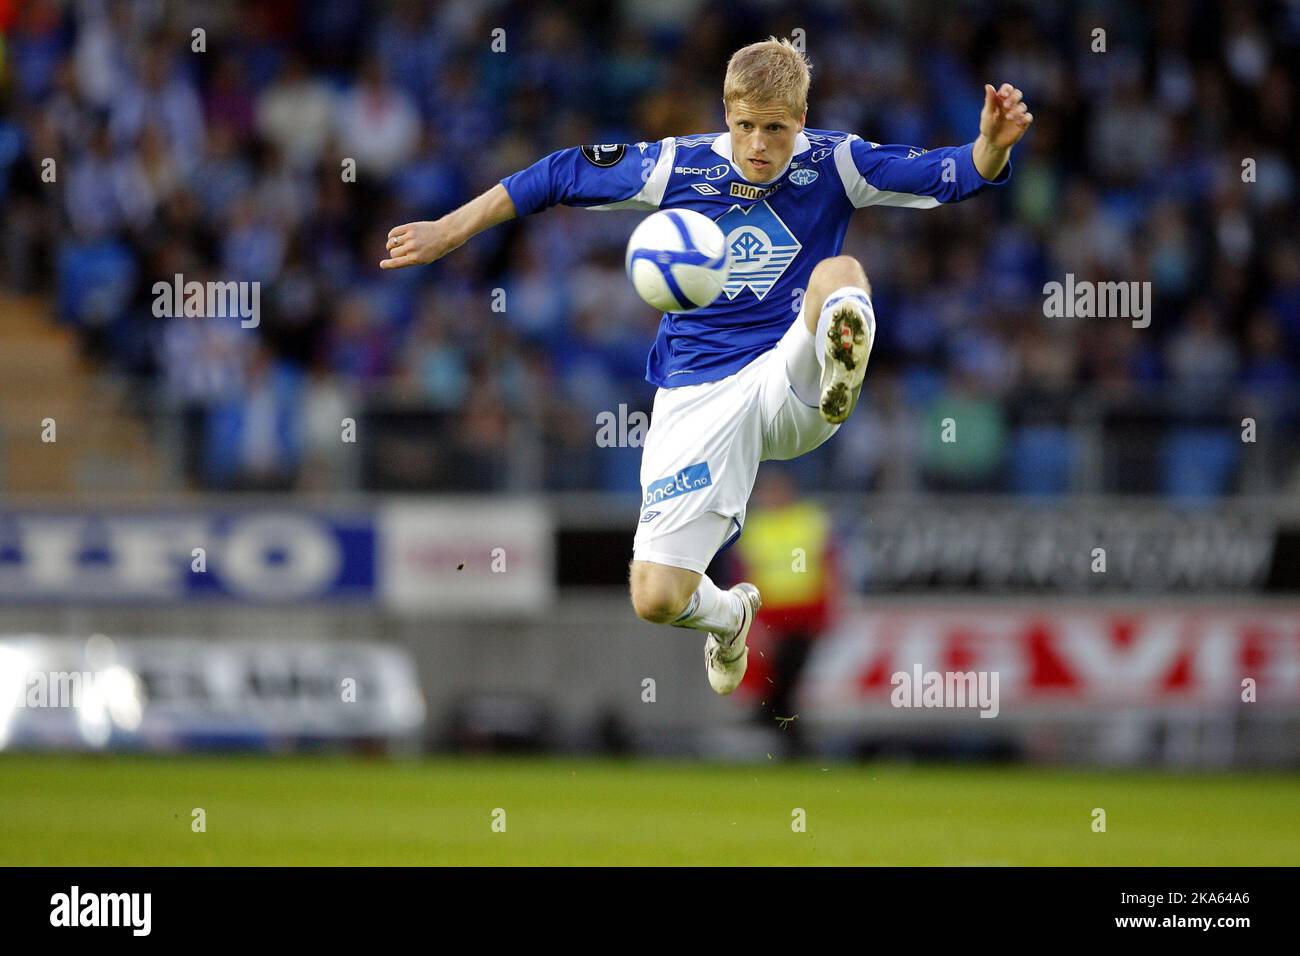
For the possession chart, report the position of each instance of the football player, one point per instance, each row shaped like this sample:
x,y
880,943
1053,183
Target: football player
x,y
738,381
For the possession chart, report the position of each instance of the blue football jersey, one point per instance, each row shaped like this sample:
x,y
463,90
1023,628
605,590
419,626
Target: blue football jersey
x,y
777,231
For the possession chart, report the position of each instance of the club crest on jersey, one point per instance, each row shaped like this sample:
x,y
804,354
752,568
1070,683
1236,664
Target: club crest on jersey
x,y
802,177
606,155
761,245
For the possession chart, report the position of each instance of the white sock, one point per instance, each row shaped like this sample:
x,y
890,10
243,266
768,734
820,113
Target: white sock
x,y
828,307
711,609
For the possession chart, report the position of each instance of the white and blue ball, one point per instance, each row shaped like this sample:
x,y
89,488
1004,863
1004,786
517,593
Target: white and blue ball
x,y
677,260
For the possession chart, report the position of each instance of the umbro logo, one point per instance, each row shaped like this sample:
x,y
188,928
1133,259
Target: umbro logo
x,y
704,189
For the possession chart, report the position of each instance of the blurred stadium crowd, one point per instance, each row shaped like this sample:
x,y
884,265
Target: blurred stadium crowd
x,y
228,165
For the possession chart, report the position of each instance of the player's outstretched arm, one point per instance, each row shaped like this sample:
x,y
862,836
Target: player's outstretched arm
x,y
1003,121
419,243
898,175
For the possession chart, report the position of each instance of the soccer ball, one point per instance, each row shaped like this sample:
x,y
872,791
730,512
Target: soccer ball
x,y
677,260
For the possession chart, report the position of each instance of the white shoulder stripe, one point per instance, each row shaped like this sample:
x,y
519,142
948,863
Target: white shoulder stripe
x,y
653,190
855,185
862,193
652,193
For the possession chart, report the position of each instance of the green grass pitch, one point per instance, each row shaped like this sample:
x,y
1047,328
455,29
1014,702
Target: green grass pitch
x,y
59,810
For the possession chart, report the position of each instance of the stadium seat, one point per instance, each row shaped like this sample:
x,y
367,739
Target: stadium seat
x,y
1199,461
1042,457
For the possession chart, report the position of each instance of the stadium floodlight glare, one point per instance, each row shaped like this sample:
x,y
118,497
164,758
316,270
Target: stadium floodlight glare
x,y
15,664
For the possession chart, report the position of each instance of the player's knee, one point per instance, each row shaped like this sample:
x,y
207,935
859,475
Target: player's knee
x,y
655,605
836,272
654,599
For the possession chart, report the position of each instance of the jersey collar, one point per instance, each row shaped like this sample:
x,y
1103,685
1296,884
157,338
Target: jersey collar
x,y
722,146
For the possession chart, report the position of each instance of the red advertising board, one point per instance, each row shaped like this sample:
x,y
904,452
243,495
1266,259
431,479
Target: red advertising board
x,y
1064,657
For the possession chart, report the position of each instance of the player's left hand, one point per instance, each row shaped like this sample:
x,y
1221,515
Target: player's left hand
x,y
1005,117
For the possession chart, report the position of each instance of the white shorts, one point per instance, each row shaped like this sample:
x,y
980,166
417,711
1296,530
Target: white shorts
x,y
705,442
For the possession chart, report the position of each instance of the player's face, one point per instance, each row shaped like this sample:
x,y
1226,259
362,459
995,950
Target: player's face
x,y
762,137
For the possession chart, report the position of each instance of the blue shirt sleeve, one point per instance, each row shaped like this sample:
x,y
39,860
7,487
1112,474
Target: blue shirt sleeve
x,y
911,176
590,176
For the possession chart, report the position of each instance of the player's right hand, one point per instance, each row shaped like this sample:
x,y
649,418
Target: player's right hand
x,y
418,243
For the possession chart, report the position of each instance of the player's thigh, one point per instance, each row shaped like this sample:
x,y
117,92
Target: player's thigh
x,y
698,467
792,427
672,562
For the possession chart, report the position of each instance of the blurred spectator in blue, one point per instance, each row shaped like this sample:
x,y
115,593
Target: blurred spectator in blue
x,y
254,440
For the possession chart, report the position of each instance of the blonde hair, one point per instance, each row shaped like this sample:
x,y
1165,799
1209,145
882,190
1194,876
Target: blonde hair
x,y
771,71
